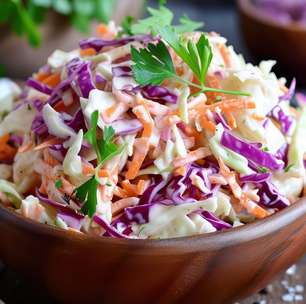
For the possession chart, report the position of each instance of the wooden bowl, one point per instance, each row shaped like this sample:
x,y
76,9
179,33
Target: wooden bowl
x,y
268,39
214,268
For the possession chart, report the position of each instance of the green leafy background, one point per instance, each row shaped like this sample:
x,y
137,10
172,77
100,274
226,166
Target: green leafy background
x,y
24,17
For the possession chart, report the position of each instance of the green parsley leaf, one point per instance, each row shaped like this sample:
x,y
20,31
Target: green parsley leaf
x,y
263,169
91,134
126,25
153,64
87,193
288,168
162,17
265,149
159,18
105,149
188,25
58,184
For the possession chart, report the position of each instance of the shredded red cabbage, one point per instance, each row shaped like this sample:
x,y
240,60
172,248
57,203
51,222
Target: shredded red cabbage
x,y
284,120
251,152
98,44
289,95
35,84
127,126
216,222
122,71
110,231
255,178
64,209
271,198
159,94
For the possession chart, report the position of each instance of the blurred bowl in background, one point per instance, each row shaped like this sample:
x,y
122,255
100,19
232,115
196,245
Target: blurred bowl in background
x,y
267,38
21,60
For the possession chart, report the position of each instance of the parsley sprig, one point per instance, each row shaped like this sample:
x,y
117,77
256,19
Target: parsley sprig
x,y
160,18
153,64
105,149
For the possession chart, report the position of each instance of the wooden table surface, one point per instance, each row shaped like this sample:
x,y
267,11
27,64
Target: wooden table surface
x,y
289,288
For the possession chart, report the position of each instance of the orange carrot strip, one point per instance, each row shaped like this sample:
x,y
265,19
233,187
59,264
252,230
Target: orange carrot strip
x,y
87,169
141,148
141,186
102,29
60,106
25,147
88,52
120,205
180,171
191,157
207,124
257,117
52,80
225,55
49,159
120,192
145,118
41,76
130,189
49,142
104,173
230,119
6,151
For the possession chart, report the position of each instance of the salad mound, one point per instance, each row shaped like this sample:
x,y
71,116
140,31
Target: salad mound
x,y
151,130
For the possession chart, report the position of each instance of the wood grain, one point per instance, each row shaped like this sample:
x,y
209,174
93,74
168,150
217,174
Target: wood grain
x,y
15,289
220,267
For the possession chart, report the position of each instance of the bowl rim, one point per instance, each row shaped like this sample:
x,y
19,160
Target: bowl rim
x,y
209,241
250,9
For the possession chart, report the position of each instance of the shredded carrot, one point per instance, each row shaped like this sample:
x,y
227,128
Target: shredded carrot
x,y
25,147
230,119
145,118
60,106
180,171
120,205
87,169
41,76
42,188
191,157
88,52
110,111
130,189
120,192
217,179
6,151
67,187
102,30
47,143
141,148
141,186
225,55
252,207
104,173
49,159
257,117
207,124
53,80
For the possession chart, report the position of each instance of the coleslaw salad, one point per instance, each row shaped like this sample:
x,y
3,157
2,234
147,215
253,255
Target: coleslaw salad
x,y
151,134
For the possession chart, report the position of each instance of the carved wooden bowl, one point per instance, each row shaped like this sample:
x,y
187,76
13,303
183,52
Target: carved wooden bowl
x,y
268,39
214,268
